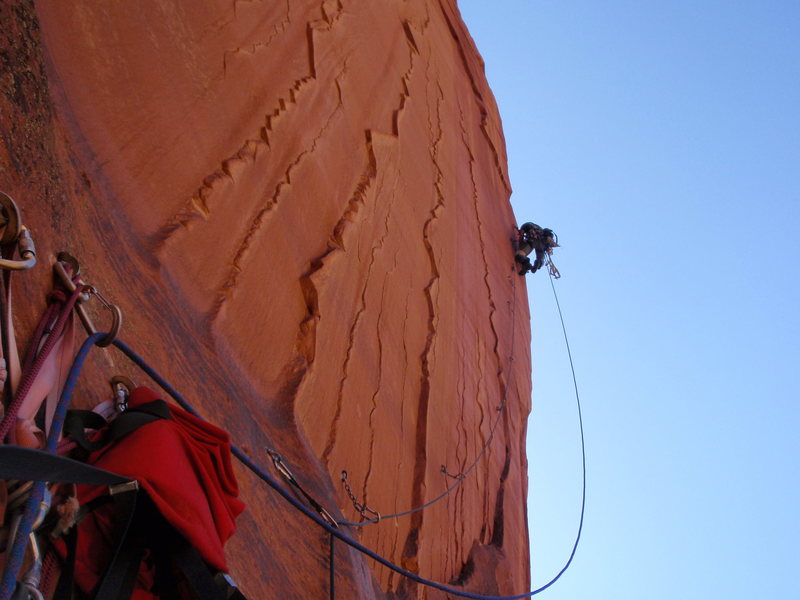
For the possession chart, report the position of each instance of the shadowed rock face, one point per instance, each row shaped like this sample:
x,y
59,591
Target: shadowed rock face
x,y
302,208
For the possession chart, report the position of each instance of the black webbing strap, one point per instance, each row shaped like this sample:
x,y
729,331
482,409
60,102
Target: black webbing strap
x,y
66,582
176,551
130,517
77,421
120,575
27,464
198,577
140,525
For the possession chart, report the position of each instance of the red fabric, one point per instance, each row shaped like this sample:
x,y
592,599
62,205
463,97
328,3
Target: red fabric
x,y
185,467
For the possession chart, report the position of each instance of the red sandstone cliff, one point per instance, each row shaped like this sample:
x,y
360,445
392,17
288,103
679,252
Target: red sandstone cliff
x,y
302,208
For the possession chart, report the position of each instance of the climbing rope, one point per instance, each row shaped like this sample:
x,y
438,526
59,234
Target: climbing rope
x,y
322,519
332,569
333,531
583,442
459,477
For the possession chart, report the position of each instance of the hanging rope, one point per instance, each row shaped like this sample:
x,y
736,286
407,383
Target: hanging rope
x,y
583,442
459,477
332,570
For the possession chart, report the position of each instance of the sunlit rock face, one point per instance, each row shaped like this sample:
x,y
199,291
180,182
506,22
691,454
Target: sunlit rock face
x,y
302,208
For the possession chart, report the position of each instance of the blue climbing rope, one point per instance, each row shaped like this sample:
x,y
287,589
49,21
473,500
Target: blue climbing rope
x,y
14,562
16,554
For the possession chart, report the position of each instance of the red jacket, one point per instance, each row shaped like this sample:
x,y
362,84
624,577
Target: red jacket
x,y
184,464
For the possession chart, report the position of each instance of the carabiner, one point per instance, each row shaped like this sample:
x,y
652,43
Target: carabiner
x,y
121,388
116,319
70,283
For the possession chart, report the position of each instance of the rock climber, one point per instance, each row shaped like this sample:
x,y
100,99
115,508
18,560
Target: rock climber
x,y
533,238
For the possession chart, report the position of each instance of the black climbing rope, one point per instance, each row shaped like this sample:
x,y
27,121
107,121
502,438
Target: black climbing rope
x,y
332,569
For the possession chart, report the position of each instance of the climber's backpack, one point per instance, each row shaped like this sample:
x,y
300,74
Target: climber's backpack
x,y
161,503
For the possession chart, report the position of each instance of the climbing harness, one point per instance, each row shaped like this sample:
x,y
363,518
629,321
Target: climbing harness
x,y
363,509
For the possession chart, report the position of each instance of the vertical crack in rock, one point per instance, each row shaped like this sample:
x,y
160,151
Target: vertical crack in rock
x,y
325,24
197,207
405,80
398,469
478,96
489,415
356,200
498,530
409,556
457,502
359,195
485,260
378,385
354,204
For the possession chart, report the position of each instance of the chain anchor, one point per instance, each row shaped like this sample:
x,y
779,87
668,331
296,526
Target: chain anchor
x,y
458,476
361,507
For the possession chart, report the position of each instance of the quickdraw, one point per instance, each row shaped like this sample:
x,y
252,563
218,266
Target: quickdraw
x,y
280,466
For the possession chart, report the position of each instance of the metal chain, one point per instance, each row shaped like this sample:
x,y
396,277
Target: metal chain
x,y
362,508
459,476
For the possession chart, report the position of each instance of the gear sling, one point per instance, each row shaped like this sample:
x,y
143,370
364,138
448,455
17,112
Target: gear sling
x,y
146,512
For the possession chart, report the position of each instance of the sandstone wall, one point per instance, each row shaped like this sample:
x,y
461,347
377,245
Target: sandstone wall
x,y
302,208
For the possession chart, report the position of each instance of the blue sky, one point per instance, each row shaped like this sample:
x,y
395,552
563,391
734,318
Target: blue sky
x,y
661,141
